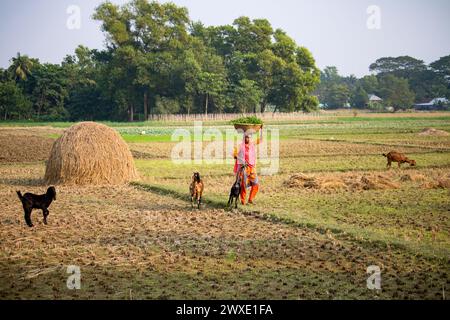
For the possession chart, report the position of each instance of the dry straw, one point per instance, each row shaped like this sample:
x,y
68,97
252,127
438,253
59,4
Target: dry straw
x,y
90,153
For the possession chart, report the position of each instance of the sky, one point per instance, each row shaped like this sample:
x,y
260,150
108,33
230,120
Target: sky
x,y
339,33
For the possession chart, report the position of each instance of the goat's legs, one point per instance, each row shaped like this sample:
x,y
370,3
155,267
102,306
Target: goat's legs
x,y
230,201
28,217
199,202
46,213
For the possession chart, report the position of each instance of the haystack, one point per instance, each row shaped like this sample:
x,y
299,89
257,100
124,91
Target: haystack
x,y
90,153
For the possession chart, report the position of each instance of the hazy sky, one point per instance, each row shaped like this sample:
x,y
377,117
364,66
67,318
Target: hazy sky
x,y
334,30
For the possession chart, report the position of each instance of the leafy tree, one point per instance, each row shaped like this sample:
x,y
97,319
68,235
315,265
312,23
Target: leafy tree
x,y
330,75
87,98
396,93
251,50
203,77
268,64
286,94
246,96
333,91
284,46
426,82
147,35
403,66
308,103
370,84
441,86
359,98
251,36
310,80
166,105
13,103
337,96
220,38
3,75
442,67
209,85
49,92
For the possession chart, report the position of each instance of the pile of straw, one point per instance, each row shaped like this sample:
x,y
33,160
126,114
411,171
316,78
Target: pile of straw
x,y
434,132
378,182
351,183
90,153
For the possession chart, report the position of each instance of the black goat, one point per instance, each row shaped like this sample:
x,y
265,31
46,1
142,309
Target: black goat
x,y
235,191
32,201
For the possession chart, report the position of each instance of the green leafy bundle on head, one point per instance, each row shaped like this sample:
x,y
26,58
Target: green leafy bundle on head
x,y
247,120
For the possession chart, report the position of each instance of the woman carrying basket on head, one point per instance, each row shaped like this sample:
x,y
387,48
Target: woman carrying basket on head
x,y
245,156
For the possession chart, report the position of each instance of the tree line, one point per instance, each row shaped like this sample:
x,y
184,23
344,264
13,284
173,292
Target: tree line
x,y
399,81
158,61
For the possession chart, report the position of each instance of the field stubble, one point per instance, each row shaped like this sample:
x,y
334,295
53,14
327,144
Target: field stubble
x,y
135,243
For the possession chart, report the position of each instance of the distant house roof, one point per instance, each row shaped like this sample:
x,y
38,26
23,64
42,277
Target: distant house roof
x,y
373,97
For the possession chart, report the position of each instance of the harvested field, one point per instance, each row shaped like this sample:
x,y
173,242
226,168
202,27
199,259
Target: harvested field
x,y
331,211
155,150
156,236
24,148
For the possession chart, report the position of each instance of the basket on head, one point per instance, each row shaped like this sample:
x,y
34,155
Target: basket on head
x,y
90,153
248,127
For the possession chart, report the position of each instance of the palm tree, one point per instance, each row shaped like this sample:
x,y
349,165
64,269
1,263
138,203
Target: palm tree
x,y
21,67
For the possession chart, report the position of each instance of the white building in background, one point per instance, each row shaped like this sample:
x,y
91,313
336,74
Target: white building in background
x,y
436,102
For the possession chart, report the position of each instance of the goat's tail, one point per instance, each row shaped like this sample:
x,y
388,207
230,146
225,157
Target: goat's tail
x,y
384,155
20,195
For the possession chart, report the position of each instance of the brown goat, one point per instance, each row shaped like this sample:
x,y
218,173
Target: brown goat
x,y
394,156
196,189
